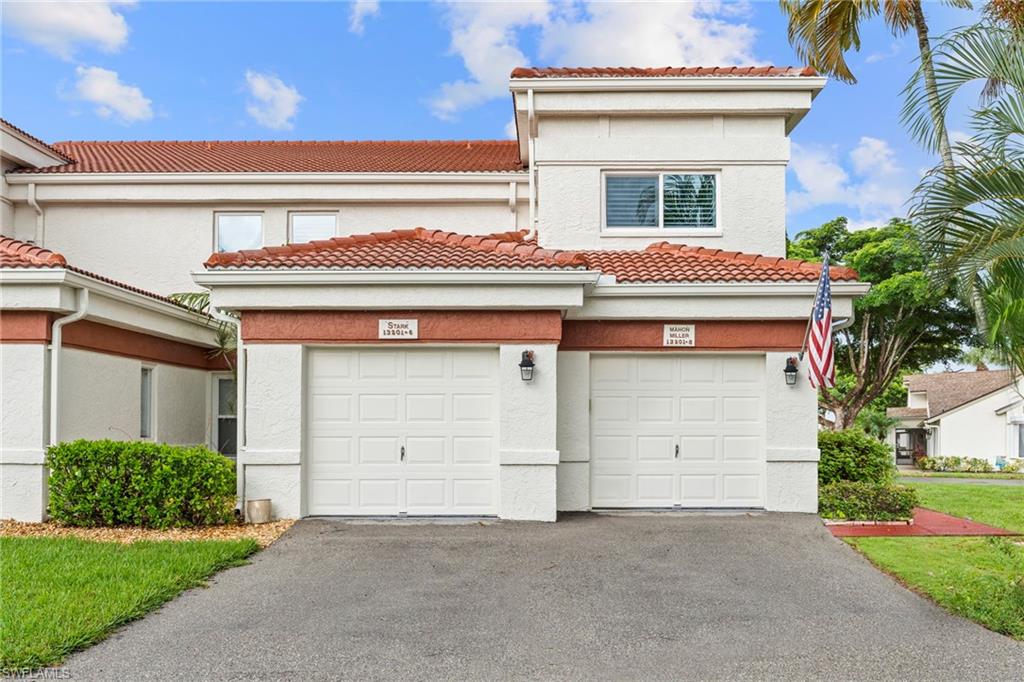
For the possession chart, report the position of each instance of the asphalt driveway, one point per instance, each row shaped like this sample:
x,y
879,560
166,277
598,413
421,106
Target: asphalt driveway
x,y
679,596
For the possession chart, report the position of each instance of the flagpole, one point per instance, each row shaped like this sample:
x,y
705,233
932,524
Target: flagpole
x,y
814,302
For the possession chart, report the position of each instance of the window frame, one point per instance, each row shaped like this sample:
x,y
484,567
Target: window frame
x,y
216,416
647,231
291,226
216,226
150,435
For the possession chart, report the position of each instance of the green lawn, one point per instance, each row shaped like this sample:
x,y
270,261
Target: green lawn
x,y
908,473
62,594
976,577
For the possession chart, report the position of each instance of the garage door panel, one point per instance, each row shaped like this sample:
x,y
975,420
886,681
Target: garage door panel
x,y
612,448
366,404
472,450
741,409
383,450
716,420
379,407
429,407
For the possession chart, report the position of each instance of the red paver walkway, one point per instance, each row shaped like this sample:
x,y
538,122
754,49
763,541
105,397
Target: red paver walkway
x,y
926,522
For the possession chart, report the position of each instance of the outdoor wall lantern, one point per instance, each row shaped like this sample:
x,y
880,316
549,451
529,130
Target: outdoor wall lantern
x,y
526,365
791,370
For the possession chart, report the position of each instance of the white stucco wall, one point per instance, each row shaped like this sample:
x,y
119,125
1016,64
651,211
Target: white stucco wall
x,y
99,398
573,431
527,435
169,239
23,424
748,152
975,430
791,440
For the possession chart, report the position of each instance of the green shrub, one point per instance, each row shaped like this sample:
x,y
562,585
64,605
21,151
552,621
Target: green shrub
x,y
853,455
111,483
859,501
969,464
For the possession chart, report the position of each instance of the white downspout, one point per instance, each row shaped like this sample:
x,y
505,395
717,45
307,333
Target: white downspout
x,y
56,334
239,401
40,218
532,154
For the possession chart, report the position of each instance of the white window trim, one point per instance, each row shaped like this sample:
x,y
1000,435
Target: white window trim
x,y
292,214
659,231
215,414
152,402
216,226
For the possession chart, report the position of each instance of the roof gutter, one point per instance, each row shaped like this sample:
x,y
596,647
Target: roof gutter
x,y
56,339
531,145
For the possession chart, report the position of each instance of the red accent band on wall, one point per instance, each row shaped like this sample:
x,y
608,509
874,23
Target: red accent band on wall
x,y
35,326
781,335
25,326
435,326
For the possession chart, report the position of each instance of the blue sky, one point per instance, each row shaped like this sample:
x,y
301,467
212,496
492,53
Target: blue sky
x,y
415,70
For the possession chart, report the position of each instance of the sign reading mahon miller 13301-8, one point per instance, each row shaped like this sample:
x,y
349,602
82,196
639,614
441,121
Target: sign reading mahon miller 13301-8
x,y
679,335
398,329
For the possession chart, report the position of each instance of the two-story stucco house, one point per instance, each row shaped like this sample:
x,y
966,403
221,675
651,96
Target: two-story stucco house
x,y
596,314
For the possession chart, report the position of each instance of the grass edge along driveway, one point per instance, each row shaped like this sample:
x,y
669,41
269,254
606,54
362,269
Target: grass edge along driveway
x,y
62,594
980,578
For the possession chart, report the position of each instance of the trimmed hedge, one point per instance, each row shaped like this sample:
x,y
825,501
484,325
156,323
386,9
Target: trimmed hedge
x,y
112,483
859,501
969,464
853,455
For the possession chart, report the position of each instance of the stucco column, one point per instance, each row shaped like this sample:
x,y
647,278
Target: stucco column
x,y
23,431
792,439
573,431
271,459
527,441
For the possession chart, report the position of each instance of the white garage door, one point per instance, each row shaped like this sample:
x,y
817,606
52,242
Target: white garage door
x,y
677,431
402,432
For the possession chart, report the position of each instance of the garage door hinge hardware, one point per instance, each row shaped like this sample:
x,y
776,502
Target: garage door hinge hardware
x,y
403,453
677,450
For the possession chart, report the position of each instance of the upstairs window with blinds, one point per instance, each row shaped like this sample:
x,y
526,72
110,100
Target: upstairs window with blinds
x,y
661,200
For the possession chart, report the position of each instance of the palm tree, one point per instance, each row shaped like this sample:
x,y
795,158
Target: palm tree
x,y
822,31
972,220
227,333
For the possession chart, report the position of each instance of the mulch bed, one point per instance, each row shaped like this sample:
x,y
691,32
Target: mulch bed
x,y
926,522
263,533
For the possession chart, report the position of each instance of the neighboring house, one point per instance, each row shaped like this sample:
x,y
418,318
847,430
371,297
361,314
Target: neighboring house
x,y
594,315
960,414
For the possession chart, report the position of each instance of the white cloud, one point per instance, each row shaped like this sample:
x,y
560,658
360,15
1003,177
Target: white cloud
x,y
511,132
112,98
273,103
872,188
361,9
62,27
875,57
486,36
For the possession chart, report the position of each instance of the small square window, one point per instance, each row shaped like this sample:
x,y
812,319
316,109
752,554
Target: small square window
x,y
307,227
631,201
661,201
238,231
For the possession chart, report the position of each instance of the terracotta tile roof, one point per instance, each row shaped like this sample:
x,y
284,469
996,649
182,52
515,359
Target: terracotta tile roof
x,y
661,72
668,263
51,148
415,249
907,412
21,255
420,248
429,156
949,390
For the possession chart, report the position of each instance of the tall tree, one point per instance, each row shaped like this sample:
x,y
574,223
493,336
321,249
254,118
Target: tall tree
x,y
971,220
823,31
905,323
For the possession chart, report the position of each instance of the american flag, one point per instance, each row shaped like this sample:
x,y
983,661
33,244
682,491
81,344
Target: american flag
x,y
822,355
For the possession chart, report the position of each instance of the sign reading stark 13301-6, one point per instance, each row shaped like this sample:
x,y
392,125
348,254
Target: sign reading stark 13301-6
x,y
679,335
398,329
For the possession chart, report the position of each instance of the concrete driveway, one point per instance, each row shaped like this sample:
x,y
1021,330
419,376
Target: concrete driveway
x,y
680,596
